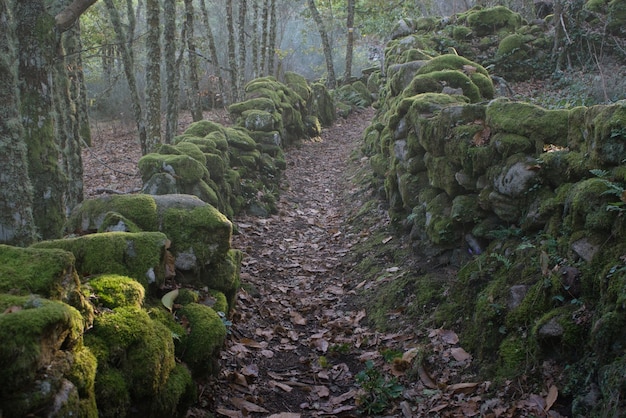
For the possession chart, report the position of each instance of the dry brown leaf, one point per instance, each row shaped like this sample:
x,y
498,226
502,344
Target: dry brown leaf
x,y
438,407
459,354
251,343
296,318
336,400
250,370
247,406
386,240
239,379
410,354
321,391
463,387
425,377
279,385
321,344
12,309
285,415
553,394
229,413
449,337
267,353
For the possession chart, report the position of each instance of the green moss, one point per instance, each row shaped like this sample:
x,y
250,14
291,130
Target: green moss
x,y
489,20
113,221
83,376
205,338
218,301
32,331
298,84
259,103
177,396
451,62
514,356
202,128
544,126
112,394
192,150
434,82
114,291
206,145
187,296
47,272
224,275
585,207
141,348
259,120
139,208
183,167
484,84
203,229
139,255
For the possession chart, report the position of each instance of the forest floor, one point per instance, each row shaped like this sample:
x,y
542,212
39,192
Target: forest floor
x,y
302,343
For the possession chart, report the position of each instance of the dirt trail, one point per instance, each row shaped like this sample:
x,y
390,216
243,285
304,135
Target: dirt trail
x,y
296,338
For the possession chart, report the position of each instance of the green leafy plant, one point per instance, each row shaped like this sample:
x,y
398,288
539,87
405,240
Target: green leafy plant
x,y
378,390
613,189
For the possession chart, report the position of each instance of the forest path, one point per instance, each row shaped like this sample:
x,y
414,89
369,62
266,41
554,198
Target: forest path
x,y
296,340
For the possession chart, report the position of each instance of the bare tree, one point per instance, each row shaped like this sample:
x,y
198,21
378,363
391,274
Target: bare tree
x,y
193,90
172,73
232,61
212,50
242,43
153,76
350,42
328,54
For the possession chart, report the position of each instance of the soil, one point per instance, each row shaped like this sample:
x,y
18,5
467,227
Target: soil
x,y
301,343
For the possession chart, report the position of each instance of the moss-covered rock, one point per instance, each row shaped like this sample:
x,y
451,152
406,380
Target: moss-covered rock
x,y
204,340
114,291
137,255
489,20
90,214
183,167
37,355
47,272
135,359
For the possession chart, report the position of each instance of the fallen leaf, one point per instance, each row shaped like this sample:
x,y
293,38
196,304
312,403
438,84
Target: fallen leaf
x,y
439,407
296,318
463,387
321,344
267,353
321,391
247,406
251,343
410,354
553,394
12,309
285,415
229,413
168,299
386,240
279,385
459,354
251,370
342,398
425,378
449,337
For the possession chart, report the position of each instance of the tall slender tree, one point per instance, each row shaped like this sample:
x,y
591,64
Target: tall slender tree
x,y
271,53
350,40
193,90
243,9
255,38
215,61
264,36
172,73
153,75
232,60
124,39
331,82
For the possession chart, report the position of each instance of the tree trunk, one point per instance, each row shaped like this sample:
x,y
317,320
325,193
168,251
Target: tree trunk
x,y
271,53
172,74
264,37
232,61
213,51
153,76
17,226
255,39
350,42
37,46
243,9
67,127
78,90
128,63
328,54
193,91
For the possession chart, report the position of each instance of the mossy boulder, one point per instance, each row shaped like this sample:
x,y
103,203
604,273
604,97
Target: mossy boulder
x,y
37,356
298,84
490,20
49,273
206,334
91,213
202,128
322,104
259,120
137,255
182,167
113,291
259,103
541,125
135,359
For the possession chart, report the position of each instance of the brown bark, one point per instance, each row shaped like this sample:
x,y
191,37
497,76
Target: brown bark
x,y
350,41
328,54
67,17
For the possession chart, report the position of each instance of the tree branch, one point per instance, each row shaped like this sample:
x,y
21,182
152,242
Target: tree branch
x,y
66,18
